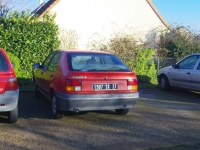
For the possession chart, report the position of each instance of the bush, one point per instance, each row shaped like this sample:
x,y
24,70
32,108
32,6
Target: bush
x,y
126,48
144,68
68,39
121,44
28,39
16,62
178,43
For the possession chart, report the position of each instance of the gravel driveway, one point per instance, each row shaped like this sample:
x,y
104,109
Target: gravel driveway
x,y
159,119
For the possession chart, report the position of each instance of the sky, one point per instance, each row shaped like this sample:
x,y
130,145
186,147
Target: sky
x,y
175,12
180,13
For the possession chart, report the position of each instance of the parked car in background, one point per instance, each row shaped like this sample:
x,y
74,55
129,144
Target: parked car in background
x,y
184,74
85,81
9,92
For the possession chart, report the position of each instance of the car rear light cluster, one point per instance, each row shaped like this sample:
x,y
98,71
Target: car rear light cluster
x,y
73,85
12,84
132,85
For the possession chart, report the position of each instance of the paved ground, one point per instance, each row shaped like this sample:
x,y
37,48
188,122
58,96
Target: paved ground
x,y
159,119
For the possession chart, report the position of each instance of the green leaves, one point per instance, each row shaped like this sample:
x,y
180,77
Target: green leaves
x,y
28,39
179,43
145,70
129,51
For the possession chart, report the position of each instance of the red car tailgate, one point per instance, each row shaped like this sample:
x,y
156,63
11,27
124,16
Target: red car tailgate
x,y
104,85
99,82
6,71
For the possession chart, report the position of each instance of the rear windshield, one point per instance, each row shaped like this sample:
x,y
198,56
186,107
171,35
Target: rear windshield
x,y
95,62
3,63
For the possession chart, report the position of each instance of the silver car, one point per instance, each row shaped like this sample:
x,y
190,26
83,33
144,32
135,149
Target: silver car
x,y
184,74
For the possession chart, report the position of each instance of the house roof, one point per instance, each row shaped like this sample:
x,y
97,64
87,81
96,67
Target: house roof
x,y
158,14
51,3
38,8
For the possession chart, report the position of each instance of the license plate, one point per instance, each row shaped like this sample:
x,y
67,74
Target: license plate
x,y
105,86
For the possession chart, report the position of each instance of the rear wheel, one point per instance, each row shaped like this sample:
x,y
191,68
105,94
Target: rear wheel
x,y
13,115
121,111
57,113
164,83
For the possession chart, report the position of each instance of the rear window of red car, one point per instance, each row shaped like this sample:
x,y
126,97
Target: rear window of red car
x,y
95,62
3,63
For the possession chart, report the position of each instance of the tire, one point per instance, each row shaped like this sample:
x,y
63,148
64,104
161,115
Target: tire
x,y
56,112
13,115
164,82
36,92
121,111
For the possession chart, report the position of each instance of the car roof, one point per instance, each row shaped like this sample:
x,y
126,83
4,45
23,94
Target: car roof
x,y
1,49
84,51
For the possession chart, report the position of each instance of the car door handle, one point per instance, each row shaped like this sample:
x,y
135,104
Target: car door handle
x,y
51,76
188,73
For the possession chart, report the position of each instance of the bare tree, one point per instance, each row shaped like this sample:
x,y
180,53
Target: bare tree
x,y
4,7
15,5
68,39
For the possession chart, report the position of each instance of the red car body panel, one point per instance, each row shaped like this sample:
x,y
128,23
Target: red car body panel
x,y
7,74
48,81
9,92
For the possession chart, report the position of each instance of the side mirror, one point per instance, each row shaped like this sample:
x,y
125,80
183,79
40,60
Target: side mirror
x,y
13,65
175,66
36,65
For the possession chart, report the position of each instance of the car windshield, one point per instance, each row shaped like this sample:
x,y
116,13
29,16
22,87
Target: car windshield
x,y
95,62
3,63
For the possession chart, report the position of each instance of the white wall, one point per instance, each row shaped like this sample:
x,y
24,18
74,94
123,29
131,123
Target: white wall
x,y
87,17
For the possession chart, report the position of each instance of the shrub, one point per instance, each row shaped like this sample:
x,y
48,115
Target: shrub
x,y
28,39
127,49
144,68
16,62
121,44
68,39
178,43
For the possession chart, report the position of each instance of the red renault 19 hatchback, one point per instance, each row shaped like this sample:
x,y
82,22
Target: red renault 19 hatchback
x,y
84,81
9,92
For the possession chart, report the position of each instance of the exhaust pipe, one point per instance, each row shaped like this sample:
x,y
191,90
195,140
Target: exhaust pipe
x,y
76,111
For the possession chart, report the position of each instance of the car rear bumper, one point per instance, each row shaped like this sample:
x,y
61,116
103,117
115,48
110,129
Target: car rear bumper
x,y
86,102
10,99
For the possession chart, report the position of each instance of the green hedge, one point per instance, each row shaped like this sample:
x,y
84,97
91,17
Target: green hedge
x,y
144,68
29,40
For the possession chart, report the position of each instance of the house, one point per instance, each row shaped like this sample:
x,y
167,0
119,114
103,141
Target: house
x,y
187,33
104,17
197,37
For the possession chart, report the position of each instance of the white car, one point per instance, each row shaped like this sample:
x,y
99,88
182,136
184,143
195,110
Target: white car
x,y
184,74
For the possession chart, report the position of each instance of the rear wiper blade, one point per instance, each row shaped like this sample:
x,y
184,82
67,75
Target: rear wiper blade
x,y
94,69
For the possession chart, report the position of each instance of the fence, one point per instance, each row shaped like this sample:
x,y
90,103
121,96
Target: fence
x,y
161,62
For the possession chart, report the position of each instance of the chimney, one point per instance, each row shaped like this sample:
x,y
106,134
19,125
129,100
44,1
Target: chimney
x,y
41,1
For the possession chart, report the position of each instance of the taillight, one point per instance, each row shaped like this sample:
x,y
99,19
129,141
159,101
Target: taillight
x,y
73,85
12,84
132,85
